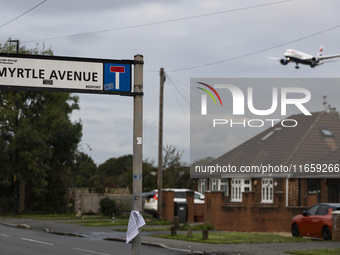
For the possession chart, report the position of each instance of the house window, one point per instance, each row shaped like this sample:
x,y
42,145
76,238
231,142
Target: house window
x,y
326,132
202,185
237,187
236,190
267,190
246,185
219,185
313,185
214,184
224,186
270,134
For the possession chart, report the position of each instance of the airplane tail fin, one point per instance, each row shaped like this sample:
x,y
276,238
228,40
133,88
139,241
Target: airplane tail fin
x,y
320,52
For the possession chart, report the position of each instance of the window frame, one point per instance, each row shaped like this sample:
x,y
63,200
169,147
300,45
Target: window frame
x,y
267,190
202,182
214,183
224,183
238,186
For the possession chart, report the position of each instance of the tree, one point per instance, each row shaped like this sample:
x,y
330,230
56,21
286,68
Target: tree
x,y
38,143
113,173
202,162
84,171
149,180
117,173
175,173
149,176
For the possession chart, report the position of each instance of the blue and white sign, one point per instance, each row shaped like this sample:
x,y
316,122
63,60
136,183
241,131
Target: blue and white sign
x,y
82,75
117,77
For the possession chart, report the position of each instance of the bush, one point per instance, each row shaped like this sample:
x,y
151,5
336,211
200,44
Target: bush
x,y
108,206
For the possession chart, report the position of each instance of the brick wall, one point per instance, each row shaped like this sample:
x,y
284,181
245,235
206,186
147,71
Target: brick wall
x,y
195,212
190,206
253,215
293,191
212,209
249,215
168,207
199,212
312,199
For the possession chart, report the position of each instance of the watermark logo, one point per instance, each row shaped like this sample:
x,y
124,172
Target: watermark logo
x,y
257,120
204,97
302,96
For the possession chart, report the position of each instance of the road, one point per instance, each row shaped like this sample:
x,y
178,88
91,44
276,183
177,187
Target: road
x,y
16,241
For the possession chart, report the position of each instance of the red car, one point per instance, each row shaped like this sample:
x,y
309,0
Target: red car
x,y
315,222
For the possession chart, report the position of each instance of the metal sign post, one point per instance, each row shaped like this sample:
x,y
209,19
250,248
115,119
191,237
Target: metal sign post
x,y
137,146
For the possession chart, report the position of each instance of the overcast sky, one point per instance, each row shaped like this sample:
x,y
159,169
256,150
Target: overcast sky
x,y
190,39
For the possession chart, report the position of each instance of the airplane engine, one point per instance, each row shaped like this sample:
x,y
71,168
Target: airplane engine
x,y
314,62
284,61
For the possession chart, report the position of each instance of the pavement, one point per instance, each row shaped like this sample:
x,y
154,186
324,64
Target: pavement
x,y
183,247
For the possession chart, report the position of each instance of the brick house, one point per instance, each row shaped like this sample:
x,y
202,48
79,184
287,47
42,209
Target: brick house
x,y
267,202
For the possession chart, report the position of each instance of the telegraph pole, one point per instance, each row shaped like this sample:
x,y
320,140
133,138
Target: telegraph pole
x,y
16,157
137,146
160,145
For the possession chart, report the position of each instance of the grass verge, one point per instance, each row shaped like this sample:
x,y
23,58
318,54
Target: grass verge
x,y
235,238
117,222
145,229
54,216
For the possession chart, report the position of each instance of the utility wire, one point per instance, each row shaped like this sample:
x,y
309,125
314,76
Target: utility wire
x,y
172,86
255,52
161,22
177,87
23,14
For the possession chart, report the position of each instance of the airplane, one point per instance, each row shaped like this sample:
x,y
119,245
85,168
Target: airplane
x,y
303,58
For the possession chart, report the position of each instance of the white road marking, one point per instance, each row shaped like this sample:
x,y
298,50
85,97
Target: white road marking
x,y
4,235
36,241
89,251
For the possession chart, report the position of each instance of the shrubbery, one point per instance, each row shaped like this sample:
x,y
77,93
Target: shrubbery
x,y
108,206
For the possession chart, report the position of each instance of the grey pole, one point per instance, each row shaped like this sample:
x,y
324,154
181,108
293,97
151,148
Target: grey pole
x,y
160,146
137,146
16,184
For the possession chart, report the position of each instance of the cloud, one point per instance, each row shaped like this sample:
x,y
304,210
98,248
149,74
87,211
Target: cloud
x,y
219,45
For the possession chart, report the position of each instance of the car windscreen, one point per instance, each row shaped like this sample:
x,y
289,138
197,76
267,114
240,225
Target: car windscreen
x,y
323,210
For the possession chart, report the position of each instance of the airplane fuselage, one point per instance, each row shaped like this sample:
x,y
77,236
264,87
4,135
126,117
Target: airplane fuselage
x,y
300,57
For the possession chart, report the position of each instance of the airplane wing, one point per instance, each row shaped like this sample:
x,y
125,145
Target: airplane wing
x,y
329,57
274,58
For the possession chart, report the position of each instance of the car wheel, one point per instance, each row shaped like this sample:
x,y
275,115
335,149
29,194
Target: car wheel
x,y
295,230
326,234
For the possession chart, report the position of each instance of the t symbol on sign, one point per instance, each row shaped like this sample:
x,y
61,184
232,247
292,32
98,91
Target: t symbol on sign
x,y
117,70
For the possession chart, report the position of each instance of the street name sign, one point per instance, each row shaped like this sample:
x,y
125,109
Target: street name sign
x,y
83,75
